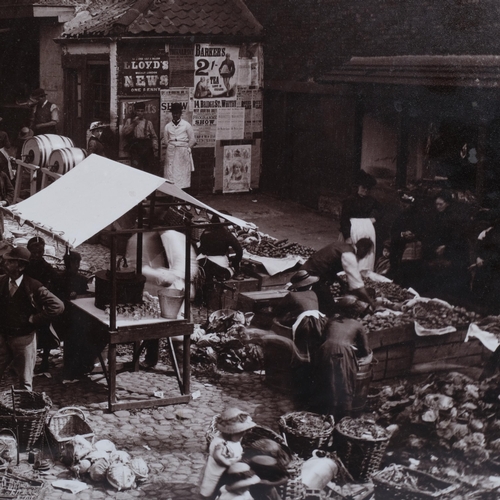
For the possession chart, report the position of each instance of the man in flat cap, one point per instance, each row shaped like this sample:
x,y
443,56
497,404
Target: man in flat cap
x,y
25,305
44,115
142,141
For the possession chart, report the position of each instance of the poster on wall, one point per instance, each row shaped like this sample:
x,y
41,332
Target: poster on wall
x,y
230,124
127,112
205,126
142,71
216,73
237,168
167,97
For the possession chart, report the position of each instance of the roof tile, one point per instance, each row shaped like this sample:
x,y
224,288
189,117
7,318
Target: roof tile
x,y
168,17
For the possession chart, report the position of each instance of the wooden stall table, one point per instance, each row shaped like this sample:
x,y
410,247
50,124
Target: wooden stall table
x,y
136,332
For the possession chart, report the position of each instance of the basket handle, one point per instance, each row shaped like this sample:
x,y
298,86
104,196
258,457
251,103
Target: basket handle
x,y
15,437
69,410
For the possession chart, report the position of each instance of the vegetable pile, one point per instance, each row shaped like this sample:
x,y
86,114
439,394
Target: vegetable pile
x,y
265,246
102,461
388,290
490,324
362,428
307,424
434,314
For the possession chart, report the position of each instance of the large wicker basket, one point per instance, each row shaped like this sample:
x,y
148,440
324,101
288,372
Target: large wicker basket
x,y
24,412
305,441
64,425
361,456
392,483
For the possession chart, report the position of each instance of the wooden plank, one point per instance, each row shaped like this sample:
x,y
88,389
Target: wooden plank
x,y
391,336
448,351
148,403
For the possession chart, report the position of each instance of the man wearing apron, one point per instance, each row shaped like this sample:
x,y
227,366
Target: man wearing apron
x,y
179,138
359,213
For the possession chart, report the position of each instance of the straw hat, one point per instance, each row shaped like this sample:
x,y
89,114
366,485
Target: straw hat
x,y
302,279
96,125
234,421
240,475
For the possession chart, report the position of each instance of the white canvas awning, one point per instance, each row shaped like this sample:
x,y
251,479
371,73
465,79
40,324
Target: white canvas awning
x,y
93,195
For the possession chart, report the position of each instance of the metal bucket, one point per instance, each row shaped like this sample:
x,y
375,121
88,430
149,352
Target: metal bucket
x,y
36,150
63,160
363,381
170,302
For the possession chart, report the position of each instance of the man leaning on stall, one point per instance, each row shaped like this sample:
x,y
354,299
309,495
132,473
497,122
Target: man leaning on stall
x,y
25,305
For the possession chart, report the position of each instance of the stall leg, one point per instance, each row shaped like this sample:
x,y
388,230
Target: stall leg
x,y
186,365
112,376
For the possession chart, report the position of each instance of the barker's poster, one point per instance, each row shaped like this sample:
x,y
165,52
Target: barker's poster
x,y
216,72
237,168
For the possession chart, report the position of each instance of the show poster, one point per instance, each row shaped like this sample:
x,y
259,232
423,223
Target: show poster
x,y
215,74
205,126
230,124
167,97
126,111
142,71
237,168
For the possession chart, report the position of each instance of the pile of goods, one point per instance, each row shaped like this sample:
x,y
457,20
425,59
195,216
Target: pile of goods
x,y
388,290
489,324
103,462
266,246
362,429
149,308
449,412
376,322
222,342
435,314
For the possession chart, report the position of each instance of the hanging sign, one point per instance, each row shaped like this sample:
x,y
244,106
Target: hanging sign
x,y
142,71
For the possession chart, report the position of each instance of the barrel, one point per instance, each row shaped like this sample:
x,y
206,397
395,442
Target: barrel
x,y
36,150
63,160
363,381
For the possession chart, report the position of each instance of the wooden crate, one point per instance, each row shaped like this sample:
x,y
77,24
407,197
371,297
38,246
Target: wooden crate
x,y
224,295
261,303
267,282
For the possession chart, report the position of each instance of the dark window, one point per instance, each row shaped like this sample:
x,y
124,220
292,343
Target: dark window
x,y
98,90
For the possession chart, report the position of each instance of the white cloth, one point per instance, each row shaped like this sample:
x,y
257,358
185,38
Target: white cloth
x,y
179,161
351,269
314,313
231,495
363,228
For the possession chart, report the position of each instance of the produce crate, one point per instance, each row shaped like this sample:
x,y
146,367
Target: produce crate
x,y
398,482
65,425
224,295
262,304
267,282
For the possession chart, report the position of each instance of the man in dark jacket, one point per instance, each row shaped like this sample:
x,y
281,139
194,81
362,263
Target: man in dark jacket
x,y
327,262
25,305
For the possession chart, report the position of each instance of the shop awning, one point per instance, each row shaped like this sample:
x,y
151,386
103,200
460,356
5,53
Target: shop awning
x,y
92,196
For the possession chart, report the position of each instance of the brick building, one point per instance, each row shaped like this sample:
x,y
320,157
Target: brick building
x,y
407,90
119,52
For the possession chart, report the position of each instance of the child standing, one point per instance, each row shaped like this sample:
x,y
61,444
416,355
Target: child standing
x,y
239,478
225,448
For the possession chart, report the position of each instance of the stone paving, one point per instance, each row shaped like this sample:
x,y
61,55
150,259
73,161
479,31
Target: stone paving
x,y
170,438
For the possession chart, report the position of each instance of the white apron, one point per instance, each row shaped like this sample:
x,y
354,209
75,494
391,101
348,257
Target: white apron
x,y
179,164
363,228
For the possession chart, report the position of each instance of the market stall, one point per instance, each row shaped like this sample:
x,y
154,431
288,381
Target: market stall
x,y
83,202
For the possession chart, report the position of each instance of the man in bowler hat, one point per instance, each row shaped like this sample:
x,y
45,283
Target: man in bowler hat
x,y
25,305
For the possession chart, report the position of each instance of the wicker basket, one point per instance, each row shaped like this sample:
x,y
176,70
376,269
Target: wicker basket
x,y
63,426
305,442
387,486
24,412
361,457
15,487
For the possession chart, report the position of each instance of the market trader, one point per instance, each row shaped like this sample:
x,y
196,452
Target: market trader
x,y
327,262
25,305
142,141
44,115
179,138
